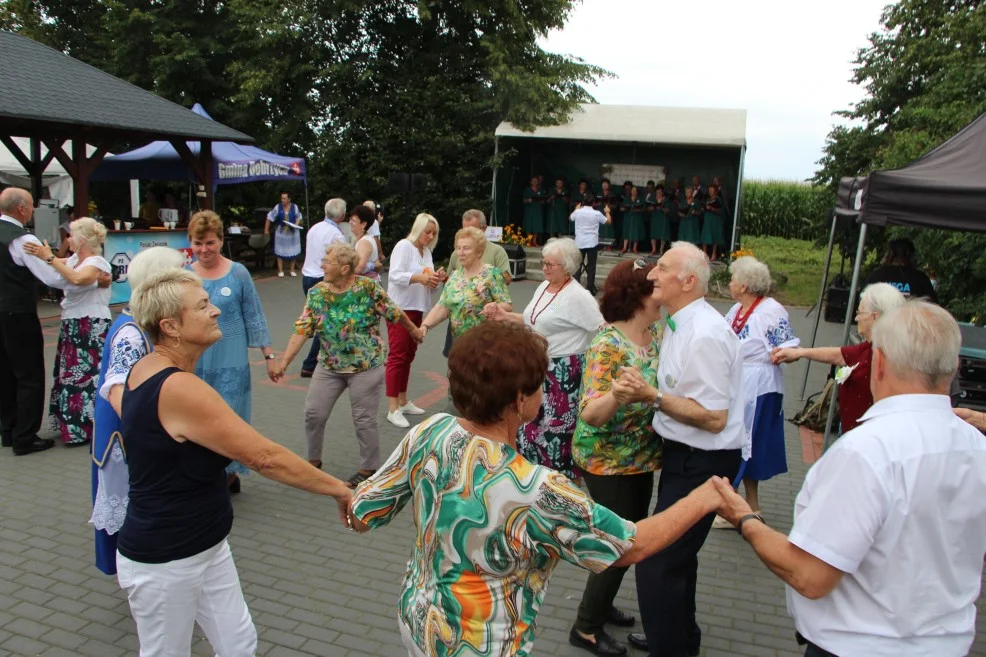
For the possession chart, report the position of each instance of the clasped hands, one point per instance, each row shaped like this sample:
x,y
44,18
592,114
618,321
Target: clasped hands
x,y
631,388
431,279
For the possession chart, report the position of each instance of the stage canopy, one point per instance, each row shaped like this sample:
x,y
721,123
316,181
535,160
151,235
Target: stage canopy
x,y
946,188
232,163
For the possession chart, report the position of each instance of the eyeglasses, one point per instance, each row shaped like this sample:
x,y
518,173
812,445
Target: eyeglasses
x,y
639,263
549,265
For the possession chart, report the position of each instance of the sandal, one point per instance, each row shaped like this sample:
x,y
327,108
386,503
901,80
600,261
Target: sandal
x,y
359,478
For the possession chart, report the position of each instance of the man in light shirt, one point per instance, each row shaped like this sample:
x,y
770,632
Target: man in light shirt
x,y
320,236
587,222
886,554
698,408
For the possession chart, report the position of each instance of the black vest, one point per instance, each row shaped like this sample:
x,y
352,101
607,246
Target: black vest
x,y
18,287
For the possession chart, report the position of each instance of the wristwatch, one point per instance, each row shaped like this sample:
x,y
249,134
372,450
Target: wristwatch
x,y
270,356
49,259
658,400
749,516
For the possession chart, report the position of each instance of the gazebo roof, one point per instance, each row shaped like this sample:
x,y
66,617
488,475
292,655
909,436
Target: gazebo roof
x,y
49,94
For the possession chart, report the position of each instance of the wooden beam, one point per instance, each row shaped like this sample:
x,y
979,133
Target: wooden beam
x,y
186,155
16,151
55,147
49,156
80,176
36,171
205,162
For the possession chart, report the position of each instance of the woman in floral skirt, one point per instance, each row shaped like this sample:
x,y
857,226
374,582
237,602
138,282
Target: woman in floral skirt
x,y
85,319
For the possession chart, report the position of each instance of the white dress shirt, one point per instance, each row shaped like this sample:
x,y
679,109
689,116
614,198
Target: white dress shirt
x,y
41,270
320,236
587,223
568,320
899,505
406,261
700,359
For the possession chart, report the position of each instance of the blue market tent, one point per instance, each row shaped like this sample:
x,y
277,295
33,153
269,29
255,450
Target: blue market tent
x,y
233,163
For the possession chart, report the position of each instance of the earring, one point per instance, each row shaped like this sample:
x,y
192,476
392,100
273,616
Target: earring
x,y
177,341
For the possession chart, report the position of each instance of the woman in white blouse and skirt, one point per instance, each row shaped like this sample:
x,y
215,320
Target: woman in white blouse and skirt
x,y
568,316
410,284
761,324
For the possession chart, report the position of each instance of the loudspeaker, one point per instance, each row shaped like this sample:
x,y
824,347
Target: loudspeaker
x,y
515,251
836,302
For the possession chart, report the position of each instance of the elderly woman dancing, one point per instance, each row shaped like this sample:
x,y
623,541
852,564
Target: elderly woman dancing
x,y
86,317
855,397
491,526
568,317
125,344
344,312
173,557
762,325
614,443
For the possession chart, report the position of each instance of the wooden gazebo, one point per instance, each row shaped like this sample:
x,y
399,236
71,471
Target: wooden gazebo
x,y
51,98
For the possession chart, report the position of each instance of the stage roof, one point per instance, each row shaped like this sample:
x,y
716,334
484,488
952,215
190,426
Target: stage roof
x,y
680,126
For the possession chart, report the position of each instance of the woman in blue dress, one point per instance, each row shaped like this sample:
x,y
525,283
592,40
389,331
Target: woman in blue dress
x,y
287,239
225,365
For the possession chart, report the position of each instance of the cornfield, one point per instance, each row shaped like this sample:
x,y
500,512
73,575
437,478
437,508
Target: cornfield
x,y
780,208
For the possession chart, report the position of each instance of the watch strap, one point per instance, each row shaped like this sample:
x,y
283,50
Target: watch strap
x,y
749,516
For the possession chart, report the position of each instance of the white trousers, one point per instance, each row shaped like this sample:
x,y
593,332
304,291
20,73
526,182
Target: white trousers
x,y
167,599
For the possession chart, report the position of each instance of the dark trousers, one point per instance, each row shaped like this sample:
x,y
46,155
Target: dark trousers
x,y
307,282
627,496
811,650
589,267
22,377
666,581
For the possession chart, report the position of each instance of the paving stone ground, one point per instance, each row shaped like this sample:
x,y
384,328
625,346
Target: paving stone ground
x,y
314,588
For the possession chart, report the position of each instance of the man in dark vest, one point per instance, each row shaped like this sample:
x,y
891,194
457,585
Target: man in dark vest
x,y
22,366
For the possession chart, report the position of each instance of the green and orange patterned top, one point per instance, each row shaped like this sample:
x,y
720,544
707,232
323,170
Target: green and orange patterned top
x,y
491,527
465,297
627,444
348,324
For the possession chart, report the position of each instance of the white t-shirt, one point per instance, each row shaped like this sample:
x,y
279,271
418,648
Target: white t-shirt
x,y
374,230
587,223
406,261
371,261
319,237
568,320
899,505
700,359
88,300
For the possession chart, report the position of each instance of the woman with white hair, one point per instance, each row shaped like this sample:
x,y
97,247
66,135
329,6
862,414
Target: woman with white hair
x,y
86,317
762,325
568,317
125,344
173,556
854,391
410,284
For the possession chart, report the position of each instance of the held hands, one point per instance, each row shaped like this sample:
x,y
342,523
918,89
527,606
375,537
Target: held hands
x,y
351,521
104,280
275,371
784,355
418,334
42,251
732,506
492,311
631,388
429,279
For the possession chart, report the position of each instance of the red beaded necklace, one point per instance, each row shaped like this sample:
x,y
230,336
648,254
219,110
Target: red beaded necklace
x,y
740,320
534,312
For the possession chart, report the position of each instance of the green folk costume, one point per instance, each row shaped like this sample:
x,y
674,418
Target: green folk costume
x,y
534,211
713,221
661,219
607,231
690,226
558,212
634,214
491,527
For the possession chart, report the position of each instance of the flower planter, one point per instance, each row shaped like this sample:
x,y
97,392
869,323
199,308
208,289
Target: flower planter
x,y
812,443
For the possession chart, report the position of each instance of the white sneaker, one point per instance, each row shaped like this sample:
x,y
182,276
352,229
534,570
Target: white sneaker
x,y
294,274
410,409
280,274
721,523
397,419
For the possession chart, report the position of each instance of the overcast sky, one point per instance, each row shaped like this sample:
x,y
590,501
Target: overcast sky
x,y
787,62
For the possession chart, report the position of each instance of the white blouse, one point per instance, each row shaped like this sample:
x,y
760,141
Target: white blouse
x,y
88,300
406,261
568,319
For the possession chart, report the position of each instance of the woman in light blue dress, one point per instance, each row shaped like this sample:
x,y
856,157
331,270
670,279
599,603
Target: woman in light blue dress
x,y
226,365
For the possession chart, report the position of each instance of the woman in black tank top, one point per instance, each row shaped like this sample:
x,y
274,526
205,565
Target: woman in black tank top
x,y
173,559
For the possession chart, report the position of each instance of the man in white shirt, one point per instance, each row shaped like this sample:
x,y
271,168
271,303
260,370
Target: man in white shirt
x,y
587,222
320,236
886,554
699,414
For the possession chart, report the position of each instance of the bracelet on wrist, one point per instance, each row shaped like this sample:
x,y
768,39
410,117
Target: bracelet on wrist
x,y
749,516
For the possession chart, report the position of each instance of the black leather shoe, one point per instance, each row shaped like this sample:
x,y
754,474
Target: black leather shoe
x,y
604,645
638,640
36,445
6,441
620,618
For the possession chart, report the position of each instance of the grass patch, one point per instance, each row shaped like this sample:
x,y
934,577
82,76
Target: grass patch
x,y
796,266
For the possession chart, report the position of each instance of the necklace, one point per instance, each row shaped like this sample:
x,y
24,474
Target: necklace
x,y
740,320
534,309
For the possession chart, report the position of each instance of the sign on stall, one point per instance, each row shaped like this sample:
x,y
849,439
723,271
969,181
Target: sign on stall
x,y
494,233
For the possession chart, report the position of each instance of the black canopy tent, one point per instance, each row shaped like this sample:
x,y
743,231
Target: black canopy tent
x,y
944,189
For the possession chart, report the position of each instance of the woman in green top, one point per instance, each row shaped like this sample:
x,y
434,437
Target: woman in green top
x,y
558,210
689,228
607,198
469,288
634,210
344,312
614,443
660,222
490,525
534,198
715,212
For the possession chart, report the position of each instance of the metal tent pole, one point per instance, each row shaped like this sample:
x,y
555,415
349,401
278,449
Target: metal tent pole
x,y
821,296
848,324
307,215
496,168
738,201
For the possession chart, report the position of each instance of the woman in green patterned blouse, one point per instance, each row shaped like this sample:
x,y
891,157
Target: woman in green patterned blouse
x,y
614,443
491,526
344,312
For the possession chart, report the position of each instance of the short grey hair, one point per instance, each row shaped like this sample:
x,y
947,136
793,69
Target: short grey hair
x,y
89,231
335,209
695,263
475,214
151,261
345,255
565,250
159,297
752,273
881,298
919,340
12,197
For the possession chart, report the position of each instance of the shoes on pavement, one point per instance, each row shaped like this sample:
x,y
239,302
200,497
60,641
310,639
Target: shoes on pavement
x,y
35,445
721,523
604,644
359,478
294,274
639,641
306,374
410,409
280,274
397,419
6,441
620,618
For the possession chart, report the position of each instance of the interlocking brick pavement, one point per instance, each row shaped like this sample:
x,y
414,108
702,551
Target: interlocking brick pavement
x,y
314,588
